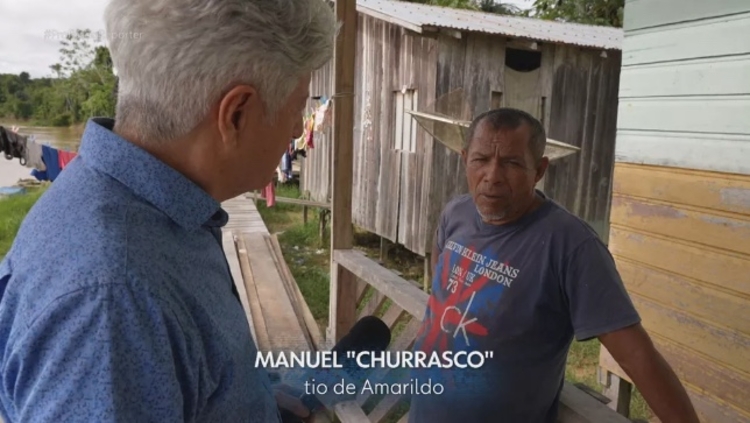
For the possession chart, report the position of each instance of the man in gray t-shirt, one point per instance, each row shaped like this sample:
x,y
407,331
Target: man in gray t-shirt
x,y
518,275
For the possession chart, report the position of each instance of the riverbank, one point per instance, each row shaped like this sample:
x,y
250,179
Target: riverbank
x,y
11,171
8,122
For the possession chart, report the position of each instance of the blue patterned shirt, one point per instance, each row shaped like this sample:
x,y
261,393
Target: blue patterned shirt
x,y
116,301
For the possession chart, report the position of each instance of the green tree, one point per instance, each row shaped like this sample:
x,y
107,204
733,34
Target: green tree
x,y
591,12
489,6
82,86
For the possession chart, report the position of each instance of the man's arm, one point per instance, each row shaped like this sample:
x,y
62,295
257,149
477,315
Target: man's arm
x,y
106,353
601,307
633,350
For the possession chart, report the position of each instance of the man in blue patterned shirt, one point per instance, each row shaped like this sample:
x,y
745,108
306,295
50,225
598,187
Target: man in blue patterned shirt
x,y
116,302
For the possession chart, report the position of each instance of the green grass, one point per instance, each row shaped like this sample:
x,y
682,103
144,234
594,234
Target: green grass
x,y
13,210
308,259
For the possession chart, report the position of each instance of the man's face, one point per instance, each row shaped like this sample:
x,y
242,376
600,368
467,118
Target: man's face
x,y
501,172
262,143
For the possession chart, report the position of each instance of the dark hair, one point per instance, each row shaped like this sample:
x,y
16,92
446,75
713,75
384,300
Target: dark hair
x,y
507,118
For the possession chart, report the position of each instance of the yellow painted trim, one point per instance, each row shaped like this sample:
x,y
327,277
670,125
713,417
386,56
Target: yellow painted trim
x,y
681,240
716,269
726,346
679,293
720,230
706,190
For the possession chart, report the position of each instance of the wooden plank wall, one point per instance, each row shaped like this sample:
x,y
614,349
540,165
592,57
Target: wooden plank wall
x,y
315,174
681,203
680,238
583,112
389,58
473,64
417,69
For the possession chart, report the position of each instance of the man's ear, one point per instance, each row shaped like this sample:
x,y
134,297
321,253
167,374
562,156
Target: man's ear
x,y
234,112
541,169
464,154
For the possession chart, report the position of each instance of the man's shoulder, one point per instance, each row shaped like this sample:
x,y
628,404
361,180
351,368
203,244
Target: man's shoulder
x,y
458,206
566,228
76,237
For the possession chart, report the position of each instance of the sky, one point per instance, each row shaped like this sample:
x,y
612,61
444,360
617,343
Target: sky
x,y
30,30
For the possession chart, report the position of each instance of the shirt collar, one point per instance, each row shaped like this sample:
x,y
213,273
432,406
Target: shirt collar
x,y
148,177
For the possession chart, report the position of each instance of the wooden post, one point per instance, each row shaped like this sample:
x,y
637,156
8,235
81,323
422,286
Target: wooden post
x,y
620,392
427,282
343,302
383,250
322,216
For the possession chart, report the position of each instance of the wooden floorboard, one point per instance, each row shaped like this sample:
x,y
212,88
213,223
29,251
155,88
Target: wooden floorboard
x,y
267,297
243,216
263,283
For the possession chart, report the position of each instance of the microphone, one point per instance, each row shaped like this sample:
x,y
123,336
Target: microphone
x,y
369,334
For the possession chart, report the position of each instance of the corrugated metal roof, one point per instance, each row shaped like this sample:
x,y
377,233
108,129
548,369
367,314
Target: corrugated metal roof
x,y
417,16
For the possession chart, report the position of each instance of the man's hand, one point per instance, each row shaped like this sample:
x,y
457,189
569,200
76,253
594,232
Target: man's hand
x,y
635,353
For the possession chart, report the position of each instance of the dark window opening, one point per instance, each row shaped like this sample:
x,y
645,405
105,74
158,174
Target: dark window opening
x,y
522,60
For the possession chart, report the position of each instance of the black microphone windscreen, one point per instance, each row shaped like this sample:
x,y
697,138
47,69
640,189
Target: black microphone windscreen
x,y
368,334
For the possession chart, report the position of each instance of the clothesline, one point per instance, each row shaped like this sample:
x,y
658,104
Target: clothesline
x,y
45,161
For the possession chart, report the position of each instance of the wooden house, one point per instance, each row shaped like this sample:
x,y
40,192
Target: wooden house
x,y
460,63
680,222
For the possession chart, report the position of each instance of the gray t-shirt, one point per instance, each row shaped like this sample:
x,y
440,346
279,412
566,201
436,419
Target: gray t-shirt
x,y
522,291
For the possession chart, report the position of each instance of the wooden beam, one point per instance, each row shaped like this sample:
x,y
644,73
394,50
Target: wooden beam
x,y
259,322
299,202
343,302
576,406
308,322
230,251
402,292
453,33
619,392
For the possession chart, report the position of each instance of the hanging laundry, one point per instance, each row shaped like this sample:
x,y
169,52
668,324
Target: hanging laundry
x,y
34,155
269,194
13,145
286,165
52,162
64,158
323,116
310,133
281,175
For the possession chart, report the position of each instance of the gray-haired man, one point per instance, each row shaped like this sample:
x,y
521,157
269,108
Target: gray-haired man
x,y
116,303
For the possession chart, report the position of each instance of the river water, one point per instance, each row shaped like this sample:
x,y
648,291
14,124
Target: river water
x,y
61,138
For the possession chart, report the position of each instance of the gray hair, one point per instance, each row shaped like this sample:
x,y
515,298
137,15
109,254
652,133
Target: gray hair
x,y
507,118
175,58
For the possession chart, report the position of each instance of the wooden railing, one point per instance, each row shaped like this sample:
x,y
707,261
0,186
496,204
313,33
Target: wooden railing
x,y
401,305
